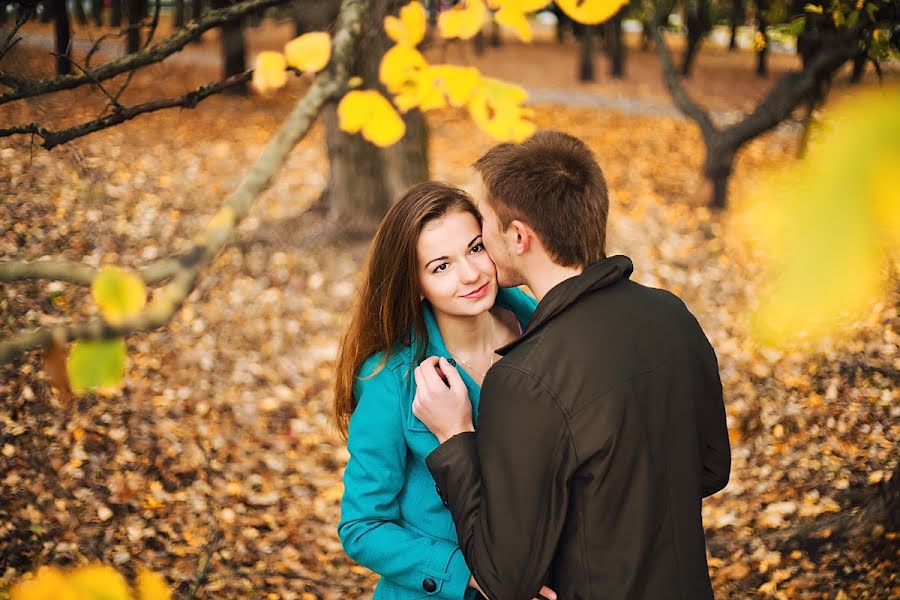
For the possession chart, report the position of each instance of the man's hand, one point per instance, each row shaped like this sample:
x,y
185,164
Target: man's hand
x,y
443,407
545,593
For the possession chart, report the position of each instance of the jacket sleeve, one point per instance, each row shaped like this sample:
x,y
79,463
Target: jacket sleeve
x,y
507,484
716,447
370,529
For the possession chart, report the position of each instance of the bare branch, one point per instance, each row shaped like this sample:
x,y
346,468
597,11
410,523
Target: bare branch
x,y
684,102
9,42
235,208
26,88
123,113
74,63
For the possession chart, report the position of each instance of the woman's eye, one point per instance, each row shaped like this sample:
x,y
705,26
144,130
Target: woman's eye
x,y
440,267
477,247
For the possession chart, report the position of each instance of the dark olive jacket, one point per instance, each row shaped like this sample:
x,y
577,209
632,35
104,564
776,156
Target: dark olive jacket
x,y
599,433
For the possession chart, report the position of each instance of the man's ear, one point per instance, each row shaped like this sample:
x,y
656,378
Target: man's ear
x,y
523,236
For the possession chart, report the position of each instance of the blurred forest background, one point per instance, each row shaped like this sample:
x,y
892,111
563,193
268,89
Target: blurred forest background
x,y
131,134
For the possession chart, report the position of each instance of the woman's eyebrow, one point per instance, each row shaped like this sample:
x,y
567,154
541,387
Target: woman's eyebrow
x,y
447,257
434,259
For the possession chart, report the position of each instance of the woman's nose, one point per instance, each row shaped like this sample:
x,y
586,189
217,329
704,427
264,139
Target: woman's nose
x,y
468,272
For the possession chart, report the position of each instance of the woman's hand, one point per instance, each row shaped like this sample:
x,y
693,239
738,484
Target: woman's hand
x,y
545,593
442,399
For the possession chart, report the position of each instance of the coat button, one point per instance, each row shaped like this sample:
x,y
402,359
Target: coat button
x,y
452,362
429,585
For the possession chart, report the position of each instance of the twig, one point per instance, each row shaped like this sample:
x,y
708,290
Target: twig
x,y
7,43
215,534
26,88
123,113
234,209
75,64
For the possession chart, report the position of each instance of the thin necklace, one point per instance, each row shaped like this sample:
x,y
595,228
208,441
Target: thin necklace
x,y
467,363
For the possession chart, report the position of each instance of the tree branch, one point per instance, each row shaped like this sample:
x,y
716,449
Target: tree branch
x,y
235,208
9,42
82,274
682,100
122,114
26,88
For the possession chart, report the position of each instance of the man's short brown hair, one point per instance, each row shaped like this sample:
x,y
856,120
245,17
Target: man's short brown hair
x,y
552,182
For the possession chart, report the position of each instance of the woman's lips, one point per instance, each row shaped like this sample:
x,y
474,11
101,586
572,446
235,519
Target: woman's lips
x,y
479,293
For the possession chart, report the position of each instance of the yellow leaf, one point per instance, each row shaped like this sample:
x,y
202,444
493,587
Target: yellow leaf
x,y
516,20
119,294
828,224
96,366
269,73
369,112
496,107
151,586
463,21
49,583
100,581
310,52
813,8
591,12
400,66
457,83
409,29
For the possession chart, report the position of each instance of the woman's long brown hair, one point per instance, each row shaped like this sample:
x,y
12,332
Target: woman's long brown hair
x,y
388,308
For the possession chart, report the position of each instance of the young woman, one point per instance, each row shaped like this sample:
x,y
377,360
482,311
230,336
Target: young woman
x,y
430,289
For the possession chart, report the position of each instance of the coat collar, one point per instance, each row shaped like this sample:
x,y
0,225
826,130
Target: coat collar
x,y
599,275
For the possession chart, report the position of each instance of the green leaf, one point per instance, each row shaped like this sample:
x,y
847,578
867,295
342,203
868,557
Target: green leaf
x,y
118,293
96,365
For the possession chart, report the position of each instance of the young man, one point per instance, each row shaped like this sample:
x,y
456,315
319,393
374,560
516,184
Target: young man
x,y
603,426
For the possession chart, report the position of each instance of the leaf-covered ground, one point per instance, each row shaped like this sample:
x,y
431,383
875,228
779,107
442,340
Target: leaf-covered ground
x,y
220,446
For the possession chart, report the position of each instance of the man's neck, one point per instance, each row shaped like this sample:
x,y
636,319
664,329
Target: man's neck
x,y
545,275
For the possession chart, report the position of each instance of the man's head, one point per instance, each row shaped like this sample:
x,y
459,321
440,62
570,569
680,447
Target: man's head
x,y
546,195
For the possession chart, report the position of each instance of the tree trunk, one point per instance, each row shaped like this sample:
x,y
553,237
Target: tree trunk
x,y
233,51
365,179
717,166
97,12
79,12
615,45
47,14
698,23
115,13
134,15
762,66
196,13
479,43
63,30
315,16
737,16
859,67
179,13
496,42
586,66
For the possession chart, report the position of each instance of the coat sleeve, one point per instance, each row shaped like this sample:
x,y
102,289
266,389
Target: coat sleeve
x,y
507,485
716,447
370,529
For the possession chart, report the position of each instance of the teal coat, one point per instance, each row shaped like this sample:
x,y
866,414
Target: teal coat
x,y
392,519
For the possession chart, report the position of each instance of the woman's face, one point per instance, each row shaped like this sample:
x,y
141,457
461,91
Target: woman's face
x,y
456,275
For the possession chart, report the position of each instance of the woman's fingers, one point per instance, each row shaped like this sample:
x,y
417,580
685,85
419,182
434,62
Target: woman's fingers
x,y
546,594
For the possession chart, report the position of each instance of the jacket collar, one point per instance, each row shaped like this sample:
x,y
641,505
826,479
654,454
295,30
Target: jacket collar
x,y
599,275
